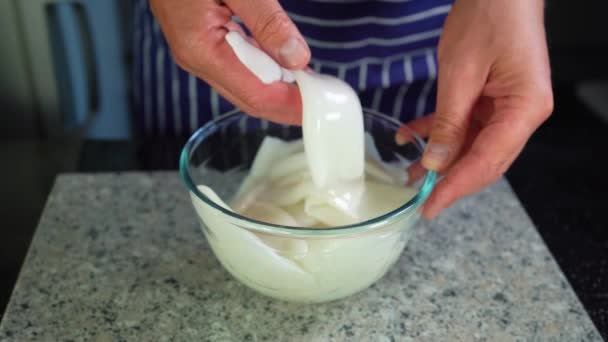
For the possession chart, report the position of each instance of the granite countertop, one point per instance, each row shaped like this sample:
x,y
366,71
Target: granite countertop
x,y
120,257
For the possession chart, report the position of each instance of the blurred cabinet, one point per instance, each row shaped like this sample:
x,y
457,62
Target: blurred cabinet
x,y
69,67
18,117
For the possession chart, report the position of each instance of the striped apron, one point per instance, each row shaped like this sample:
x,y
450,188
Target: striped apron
x,y
385,49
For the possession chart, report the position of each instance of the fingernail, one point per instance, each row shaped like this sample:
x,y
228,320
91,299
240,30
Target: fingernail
x,y
293,53
435,156
400,139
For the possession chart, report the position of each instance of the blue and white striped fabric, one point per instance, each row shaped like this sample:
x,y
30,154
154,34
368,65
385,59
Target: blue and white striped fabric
x,y
386,49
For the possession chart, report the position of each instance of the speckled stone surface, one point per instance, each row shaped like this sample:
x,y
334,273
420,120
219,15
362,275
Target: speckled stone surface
x,y
122,258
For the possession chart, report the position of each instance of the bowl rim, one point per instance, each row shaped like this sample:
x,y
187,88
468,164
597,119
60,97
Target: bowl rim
x,y
276,229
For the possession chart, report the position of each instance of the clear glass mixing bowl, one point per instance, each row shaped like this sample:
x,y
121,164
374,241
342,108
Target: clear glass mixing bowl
x,y
294,263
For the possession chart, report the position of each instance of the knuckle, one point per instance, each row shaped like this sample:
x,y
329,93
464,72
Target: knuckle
x,y
444,63
272,24
189,50
546,103
458,70
442,48
253,105
447,129
538,107
492,169
466,71
470,70
182,58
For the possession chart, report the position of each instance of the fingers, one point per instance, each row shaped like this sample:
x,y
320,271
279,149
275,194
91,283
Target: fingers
x,y
420,127
273,30
195,31
279,101
491,153
459,86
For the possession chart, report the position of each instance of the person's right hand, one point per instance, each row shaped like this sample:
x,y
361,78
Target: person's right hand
x,y
195,31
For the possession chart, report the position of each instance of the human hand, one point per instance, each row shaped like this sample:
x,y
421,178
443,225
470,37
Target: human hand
x,y
195,31
494,90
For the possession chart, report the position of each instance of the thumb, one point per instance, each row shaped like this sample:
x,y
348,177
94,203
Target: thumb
x,y
273,30
457,92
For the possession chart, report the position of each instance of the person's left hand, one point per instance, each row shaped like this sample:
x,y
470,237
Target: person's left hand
x,y
494,91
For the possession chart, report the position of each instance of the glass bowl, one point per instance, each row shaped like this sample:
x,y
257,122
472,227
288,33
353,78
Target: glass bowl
x,y
294,263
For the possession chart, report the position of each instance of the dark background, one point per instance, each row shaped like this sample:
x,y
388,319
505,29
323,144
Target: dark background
x,y
560,178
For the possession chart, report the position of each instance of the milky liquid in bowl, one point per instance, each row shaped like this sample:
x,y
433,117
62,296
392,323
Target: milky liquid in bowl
x,y
303,265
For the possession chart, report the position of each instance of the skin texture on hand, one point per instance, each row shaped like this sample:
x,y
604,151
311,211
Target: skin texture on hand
x,y
494,91
195,31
